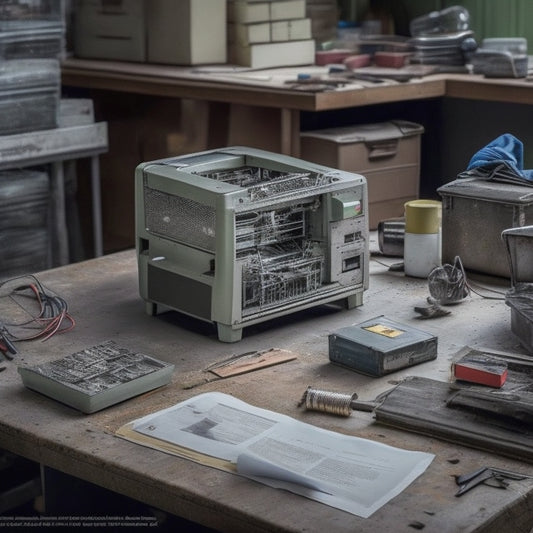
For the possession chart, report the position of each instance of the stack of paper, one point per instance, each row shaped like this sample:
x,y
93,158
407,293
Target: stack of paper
x,y
218,430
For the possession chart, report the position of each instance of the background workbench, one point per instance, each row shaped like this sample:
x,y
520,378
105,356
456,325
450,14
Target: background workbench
x,y
157,111
266,88
103,298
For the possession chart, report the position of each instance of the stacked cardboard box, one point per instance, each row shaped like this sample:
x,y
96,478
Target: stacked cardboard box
x,y
269,33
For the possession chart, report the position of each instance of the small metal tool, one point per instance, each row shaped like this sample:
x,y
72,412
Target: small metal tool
x,y
495,477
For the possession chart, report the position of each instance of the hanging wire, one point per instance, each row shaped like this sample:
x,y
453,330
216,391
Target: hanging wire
x,y
30,311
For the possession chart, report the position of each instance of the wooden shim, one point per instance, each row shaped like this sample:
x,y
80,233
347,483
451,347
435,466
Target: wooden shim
x,y
251,362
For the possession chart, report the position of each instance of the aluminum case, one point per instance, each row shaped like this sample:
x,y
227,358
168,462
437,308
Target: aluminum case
x,y
474,214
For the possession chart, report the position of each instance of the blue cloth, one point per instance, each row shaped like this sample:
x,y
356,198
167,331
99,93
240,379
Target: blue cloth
x,y
504,150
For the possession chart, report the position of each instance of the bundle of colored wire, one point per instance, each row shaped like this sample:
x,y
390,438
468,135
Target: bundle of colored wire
x,y
50,317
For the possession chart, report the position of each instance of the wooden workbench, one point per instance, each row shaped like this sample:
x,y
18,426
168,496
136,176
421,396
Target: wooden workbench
x,y
103,298
268,89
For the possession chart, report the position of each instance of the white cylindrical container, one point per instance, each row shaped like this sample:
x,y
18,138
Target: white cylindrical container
x,y
422,240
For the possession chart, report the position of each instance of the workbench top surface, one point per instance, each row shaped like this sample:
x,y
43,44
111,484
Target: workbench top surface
x,y
103,297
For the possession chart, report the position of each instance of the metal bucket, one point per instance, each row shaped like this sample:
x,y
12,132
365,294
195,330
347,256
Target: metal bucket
x,y
391,234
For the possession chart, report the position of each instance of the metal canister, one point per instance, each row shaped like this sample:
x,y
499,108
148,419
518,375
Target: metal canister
x,y
391,234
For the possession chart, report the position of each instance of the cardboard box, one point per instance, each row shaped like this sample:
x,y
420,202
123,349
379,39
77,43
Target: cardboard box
x,y
287,9
188,32
386,153
246,34
110,30
274,54
478,367
380,346
246,12
265,32
474,214
291,30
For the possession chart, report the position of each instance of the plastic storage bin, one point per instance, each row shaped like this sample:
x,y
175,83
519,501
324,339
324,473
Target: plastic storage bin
x,y
32,44
31,15
474,215
33,29
386,153
25,205
29,95
449,20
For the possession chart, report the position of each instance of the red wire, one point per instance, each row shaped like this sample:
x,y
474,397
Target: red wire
x,y
53,324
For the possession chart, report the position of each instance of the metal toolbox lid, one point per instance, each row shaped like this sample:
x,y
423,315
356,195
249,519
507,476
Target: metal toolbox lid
x,y
488,190
379,131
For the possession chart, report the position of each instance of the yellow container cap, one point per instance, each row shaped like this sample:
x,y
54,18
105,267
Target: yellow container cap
x,y
423,216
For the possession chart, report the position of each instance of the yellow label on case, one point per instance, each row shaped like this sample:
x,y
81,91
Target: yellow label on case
x,y
386,331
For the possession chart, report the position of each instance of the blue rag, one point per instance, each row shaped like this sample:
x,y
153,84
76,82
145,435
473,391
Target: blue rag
x,y
505,149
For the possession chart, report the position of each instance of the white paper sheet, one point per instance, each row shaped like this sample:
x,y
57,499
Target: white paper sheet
x,y
349,473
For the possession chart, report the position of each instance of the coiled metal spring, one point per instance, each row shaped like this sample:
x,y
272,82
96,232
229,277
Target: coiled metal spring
x,y
328,402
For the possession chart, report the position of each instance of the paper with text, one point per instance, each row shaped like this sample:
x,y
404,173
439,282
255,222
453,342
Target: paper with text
x,y
349,473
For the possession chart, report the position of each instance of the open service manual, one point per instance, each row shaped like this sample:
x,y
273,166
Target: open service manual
x,y
349,473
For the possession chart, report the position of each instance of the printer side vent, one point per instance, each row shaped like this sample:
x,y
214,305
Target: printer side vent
x,y
179,219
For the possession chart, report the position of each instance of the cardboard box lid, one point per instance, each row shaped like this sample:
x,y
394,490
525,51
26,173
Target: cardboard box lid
x,y
379,131
490,191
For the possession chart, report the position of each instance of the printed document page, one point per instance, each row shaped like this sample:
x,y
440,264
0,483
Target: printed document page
x,y
349,473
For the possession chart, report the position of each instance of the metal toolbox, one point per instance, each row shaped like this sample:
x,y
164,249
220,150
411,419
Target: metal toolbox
x,y
380,346
519,245
386,153
474,214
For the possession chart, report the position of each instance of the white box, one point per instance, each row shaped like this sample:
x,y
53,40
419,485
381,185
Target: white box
x,y
248,12
291,30
270,55
189,32
287,9
280,31
300,29
246,34
110,30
